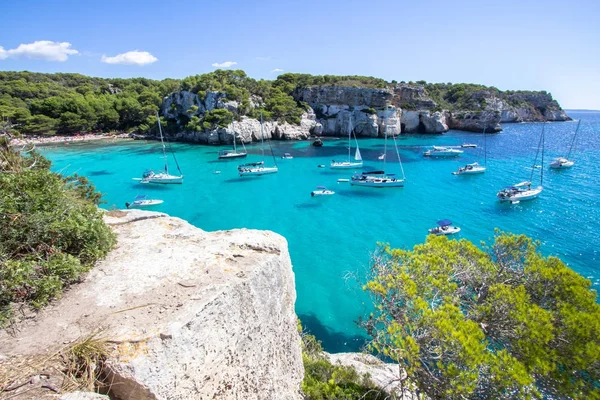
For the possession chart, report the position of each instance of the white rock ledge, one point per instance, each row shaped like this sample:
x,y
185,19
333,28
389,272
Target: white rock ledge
x,y
192,314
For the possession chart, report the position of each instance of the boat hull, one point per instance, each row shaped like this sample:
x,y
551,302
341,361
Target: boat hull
x,y
520,196
143,203
164,181
232,155
473,171
441,154
258,171
322,193
450,230
377,182
346,165
561,165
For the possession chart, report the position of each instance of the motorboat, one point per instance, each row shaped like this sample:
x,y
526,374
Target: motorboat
x,y
142,202
519,192
469,145
287,156
470,169
561,162
442,151
444,228
322,191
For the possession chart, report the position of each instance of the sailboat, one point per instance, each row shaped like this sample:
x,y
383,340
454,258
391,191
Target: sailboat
x,y
165,177
357,163
379,179
523,191
564,162
258,168
226,154
475,168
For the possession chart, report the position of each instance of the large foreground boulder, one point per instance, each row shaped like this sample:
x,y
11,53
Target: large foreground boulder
x,y
189,314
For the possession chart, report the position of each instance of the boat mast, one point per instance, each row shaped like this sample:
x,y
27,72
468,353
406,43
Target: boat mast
x,y
384,144
574,136
540,143
262,139
233,128
484,145
542,168
349,133
163,143
399,160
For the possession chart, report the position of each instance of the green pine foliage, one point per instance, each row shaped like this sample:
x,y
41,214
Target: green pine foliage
x,y
51,230
503,323
326,381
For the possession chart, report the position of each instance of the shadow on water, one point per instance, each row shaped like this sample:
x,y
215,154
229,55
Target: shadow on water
x,y
249,178
99,173
148,187
361,192
332,341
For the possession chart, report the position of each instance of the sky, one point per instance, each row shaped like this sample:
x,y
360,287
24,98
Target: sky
x,y
529,45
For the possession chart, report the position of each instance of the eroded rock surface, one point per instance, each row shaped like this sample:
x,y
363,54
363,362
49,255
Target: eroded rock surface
x,y
191,314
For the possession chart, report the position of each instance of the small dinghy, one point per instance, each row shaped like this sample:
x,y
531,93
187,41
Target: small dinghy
x,y
142,202
469,145
287,156
444,228
322,191
343,180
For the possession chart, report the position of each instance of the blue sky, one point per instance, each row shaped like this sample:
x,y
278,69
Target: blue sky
x,y
550,45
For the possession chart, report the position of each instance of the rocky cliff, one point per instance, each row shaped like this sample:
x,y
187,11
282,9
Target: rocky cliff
x,y
368,112
189,314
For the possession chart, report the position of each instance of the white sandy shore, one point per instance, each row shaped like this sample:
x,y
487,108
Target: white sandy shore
x,y
41,140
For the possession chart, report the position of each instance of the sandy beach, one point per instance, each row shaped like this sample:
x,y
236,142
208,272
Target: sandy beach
x,y
44,140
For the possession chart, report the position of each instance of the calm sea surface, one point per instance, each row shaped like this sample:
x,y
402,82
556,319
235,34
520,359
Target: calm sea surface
x,y
331,239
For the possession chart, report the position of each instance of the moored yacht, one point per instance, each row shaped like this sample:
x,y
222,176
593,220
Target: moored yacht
x,y
442,151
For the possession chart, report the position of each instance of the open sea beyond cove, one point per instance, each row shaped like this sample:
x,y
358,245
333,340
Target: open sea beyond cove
x,y
331,238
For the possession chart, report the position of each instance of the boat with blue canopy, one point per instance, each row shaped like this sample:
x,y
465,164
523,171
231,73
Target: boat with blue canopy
x,y
444,228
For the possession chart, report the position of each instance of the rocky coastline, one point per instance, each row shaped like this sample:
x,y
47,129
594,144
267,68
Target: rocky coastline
x,y
368,112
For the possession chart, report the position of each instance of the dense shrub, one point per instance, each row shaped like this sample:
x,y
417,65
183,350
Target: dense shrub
x,y
326,381
51,230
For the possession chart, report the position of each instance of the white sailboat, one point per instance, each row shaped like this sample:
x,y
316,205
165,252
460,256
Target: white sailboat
x,y
474,168
227,154
165,177
357,163
379,179
564,162
523,191
258,168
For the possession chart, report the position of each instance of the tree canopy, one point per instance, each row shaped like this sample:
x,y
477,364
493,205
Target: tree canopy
x,y
51,229
501,323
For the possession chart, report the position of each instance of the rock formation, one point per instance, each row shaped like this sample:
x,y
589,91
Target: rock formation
x,y
369,112
191,314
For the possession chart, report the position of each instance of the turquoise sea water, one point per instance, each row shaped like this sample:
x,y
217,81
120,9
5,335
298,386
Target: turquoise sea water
x,y
331,239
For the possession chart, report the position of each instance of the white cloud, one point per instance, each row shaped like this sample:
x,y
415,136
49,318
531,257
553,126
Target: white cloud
x,y
277,70
225,64
42,50
134,57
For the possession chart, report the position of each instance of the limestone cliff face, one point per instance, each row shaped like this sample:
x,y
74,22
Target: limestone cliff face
x,y
369,112
191,314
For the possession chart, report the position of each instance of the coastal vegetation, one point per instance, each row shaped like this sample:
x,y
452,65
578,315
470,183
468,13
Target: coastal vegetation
x,y
326,381
503,322
67,104
51,230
